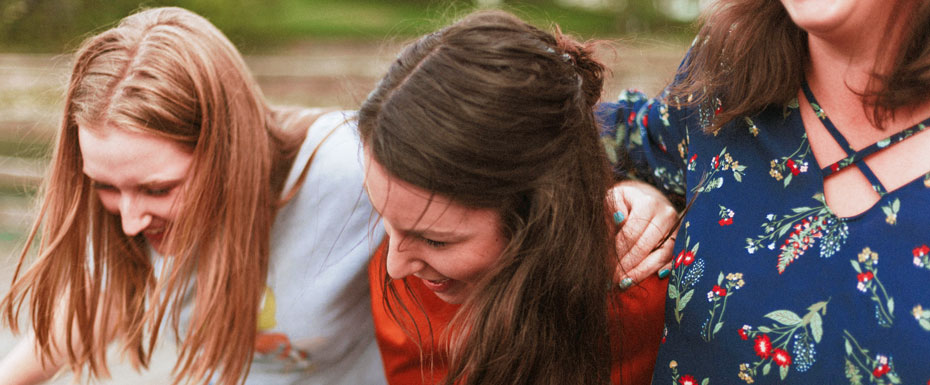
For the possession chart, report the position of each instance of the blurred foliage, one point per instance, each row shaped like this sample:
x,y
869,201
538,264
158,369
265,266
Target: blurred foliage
x,y
60,25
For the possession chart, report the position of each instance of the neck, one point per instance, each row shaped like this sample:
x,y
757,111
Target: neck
x,y
843,62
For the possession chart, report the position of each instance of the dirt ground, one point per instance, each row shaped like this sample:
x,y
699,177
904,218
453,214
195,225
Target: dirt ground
x,y
309,74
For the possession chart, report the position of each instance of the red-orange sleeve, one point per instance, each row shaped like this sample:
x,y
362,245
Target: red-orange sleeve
x,y
639,314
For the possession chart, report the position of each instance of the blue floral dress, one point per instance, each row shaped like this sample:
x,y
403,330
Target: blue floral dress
x,y
768,284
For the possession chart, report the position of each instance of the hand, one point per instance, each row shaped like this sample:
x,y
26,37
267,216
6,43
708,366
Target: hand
x,y
647,218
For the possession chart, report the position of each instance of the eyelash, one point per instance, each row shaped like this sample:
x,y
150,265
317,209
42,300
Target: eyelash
x,y
432,243
160,192
157,192
101,186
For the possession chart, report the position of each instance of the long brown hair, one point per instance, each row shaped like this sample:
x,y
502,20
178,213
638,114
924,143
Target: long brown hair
x,y
749,54
170,73
491,112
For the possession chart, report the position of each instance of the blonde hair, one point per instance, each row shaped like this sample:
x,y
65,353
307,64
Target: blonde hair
x,y
170,73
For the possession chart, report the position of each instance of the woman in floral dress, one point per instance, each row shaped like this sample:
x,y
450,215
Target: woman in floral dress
x,y
797,129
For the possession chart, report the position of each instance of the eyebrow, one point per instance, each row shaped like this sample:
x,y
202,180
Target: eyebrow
x,y
149,184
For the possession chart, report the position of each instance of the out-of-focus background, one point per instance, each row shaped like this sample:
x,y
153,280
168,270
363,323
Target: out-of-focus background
x,y
303,52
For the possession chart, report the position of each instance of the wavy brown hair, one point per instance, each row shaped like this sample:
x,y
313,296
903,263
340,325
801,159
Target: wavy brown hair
x,y
749,55
169,73
494,113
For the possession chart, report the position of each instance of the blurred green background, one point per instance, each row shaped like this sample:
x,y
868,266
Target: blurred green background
x,y
261,25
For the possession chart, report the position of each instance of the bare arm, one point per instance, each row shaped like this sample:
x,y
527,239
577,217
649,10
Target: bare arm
x,y
23,366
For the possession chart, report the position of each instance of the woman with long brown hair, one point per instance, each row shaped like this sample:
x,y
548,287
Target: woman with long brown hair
x,y
801,127
178,199
484,161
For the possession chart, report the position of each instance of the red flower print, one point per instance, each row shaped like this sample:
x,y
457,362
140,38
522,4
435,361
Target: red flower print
x,y
719,291
725,221
781,358
718,110
920,252
693,157
795,170
687,379
716,161
835,167
684,257
763,345
645,120
865,277
742,334
631,118
881,370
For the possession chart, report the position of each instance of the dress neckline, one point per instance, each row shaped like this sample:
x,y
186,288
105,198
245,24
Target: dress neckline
x,y
856,157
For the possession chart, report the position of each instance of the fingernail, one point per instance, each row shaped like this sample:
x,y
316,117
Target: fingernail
x,y
626,283
618,217
664,273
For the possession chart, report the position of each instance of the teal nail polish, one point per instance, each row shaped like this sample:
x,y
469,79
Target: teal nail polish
x,y
618,218
664,273
626,283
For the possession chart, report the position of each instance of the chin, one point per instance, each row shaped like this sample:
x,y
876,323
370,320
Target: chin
x,y
453,297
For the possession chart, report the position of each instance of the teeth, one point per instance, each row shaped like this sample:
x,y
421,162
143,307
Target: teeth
x,y
439,280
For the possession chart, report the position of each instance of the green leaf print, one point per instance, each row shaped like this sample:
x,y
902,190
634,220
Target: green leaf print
x,y
684,300
879,367
686,272
784,317
816,327
789,343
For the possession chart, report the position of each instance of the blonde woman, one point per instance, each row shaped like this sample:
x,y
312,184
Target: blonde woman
x,y
177,198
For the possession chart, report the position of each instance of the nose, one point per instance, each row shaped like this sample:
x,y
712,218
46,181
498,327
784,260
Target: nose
x,y
134,215
401,259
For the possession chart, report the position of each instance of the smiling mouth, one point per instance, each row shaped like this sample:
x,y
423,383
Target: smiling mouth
x,y
154,235
438,285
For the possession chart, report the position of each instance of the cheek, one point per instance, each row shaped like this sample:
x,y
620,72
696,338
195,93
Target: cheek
x,y
482,259
109,200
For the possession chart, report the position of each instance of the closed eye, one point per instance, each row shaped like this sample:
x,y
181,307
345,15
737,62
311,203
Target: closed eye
x,y
102,187
157,192
433,244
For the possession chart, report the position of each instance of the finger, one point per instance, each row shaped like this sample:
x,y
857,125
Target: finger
x,y
653,263
633,228
645,237
666,270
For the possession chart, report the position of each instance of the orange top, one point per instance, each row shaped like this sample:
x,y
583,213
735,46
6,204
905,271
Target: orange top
x,y
640,318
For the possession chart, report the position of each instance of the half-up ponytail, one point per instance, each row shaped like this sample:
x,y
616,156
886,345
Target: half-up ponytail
x,y
590,71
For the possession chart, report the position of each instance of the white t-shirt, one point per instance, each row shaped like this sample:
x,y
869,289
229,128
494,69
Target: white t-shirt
x,y
315,324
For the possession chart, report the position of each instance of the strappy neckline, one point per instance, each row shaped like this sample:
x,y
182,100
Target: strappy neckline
x,y
854,157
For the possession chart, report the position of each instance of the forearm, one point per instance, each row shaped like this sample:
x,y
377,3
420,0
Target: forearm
x,y
23,366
